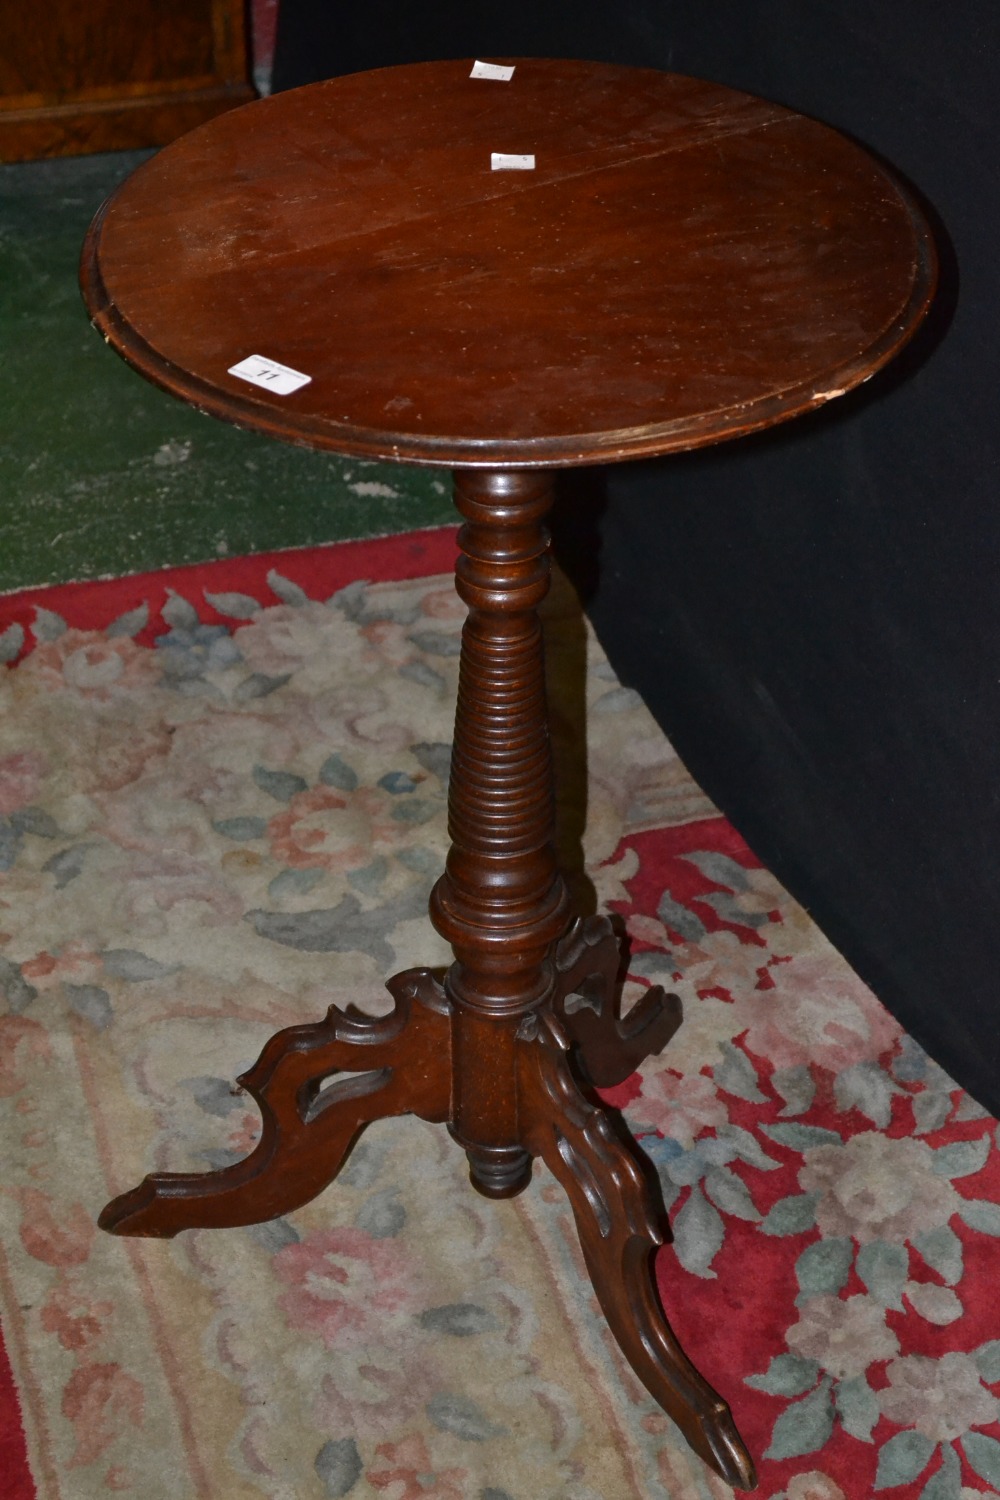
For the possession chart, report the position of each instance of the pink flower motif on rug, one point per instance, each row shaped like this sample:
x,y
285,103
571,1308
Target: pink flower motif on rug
x,y
324,828
817,1011
876,1187
843,1336
92,665
76,1319
941,1398
681,1107
21,778
344,1285
101,1400
408,1474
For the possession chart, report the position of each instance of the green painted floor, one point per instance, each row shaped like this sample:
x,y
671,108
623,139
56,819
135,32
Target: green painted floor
x,y
100,473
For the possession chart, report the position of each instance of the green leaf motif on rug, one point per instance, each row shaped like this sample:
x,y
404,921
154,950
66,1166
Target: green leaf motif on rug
x,y
462,1418
786,1375
459,1319
67,864
47,625
719,868
698,1234
91,1003
242,830
982,1215
135,967
792,1215
287,591
804,1426
961,1158
868,1088
678,919
902,1459
35,820
259,685
14,987
11,643
234,606
736,1074
796,1086
382,1216
130,623
731,1194
291,883
338,1464
857,1408
747,1147
178,612
884,1268
823,1268
337,773
281,785
946,1483
802,1137
983,1454
941,1248
987,1358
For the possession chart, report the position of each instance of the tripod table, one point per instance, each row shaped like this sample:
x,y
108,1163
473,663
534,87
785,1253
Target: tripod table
x,y
506,274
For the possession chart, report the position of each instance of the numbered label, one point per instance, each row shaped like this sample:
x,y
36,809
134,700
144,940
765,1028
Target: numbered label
x,y
492,70
260,370
500,162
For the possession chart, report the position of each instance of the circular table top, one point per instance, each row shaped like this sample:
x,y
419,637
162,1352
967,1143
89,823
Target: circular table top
x,y
683,264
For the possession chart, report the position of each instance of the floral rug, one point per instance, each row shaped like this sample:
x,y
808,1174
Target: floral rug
x,y
222,806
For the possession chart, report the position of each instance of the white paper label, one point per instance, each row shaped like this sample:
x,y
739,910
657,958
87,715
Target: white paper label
x,y
500,162
492,70
260,370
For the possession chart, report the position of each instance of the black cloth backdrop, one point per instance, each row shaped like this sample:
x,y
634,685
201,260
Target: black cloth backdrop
x,y
813,614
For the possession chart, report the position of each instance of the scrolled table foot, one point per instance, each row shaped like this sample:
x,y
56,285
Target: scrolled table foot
x,y
587,1000
317,1086
619,1234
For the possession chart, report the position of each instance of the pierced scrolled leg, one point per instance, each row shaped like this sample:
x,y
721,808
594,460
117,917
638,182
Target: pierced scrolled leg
x,y
317,1087
613,1207
588,1001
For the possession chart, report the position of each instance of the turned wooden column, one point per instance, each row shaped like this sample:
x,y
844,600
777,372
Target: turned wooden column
x,y
501,902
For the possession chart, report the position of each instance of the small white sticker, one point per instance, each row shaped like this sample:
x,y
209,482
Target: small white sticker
x,y
260,370
492,70
499,162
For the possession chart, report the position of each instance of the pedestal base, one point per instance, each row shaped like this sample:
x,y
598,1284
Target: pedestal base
x,y
318,1086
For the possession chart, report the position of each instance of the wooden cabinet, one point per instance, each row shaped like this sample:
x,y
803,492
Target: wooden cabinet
x,y
105,75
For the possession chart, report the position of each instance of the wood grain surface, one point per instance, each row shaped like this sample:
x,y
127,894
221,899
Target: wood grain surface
x,y
115,74
685,263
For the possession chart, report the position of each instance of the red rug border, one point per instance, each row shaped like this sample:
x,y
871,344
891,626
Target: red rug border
x,y
320,570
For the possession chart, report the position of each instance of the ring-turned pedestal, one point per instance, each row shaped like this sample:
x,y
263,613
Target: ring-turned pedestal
x,y
682,265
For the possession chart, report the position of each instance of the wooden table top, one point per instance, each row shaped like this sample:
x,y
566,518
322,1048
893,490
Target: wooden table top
x,y
684,264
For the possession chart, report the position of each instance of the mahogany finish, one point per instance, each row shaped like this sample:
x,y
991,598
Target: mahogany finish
x,y
113,74
685,264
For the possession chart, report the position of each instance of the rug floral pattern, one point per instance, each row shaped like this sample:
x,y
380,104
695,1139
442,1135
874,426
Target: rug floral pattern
x,y
224,810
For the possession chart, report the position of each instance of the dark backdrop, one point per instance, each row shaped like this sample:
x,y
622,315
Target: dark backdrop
x,y
814,614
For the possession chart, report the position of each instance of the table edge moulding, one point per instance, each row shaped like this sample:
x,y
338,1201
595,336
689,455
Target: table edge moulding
x,y
684,265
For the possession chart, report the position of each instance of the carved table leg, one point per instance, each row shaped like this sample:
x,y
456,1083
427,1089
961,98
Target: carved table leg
x,y
620,1236
587,999
398,1064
